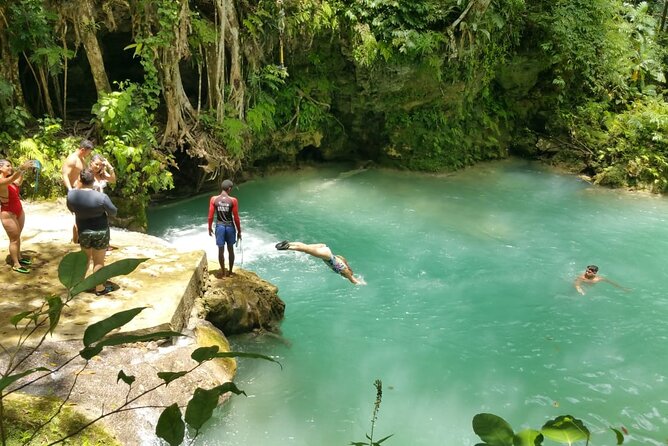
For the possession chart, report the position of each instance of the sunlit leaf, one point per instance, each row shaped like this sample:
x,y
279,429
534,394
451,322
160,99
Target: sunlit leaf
x,y
565,429
528,437
493,430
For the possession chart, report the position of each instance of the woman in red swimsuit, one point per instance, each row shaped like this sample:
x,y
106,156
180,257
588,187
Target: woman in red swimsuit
x,y
13,217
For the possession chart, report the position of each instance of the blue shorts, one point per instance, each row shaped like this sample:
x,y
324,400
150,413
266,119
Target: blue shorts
x,y
225,234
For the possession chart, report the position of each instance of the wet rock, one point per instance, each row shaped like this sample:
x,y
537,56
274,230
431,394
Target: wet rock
x,y
242,303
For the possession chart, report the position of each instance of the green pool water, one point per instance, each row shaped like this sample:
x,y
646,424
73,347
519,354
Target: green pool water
x,y
469,306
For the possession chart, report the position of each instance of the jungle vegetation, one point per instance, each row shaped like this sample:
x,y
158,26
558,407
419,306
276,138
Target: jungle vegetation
x,y
198,88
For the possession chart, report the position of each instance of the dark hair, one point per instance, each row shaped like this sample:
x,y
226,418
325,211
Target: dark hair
x,y
86,144
592,268
86,177
227,184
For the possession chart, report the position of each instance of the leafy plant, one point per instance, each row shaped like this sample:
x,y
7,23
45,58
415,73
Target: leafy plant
x,y
131,146
44,319
495,431
378,384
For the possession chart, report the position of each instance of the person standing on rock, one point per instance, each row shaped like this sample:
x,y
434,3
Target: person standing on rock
x,y
228,226
91,209
72,167
11,213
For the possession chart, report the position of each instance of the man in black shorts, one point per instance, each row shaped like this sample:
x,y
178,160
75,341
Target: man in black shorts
x,y
91,209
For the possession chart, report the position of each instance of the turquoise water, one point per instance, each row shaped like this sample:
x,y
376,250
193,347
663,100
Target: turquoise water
x,y
469,307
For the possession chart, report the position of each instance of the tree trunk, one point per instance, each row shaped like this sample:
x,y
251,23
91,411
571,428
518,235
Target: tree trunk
x,y
9,68
180,112
236,82
44,83
86,24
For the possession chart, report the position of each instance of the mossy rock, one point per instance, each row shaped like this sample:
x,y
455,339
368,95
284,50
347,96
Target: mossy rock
x,y
24,413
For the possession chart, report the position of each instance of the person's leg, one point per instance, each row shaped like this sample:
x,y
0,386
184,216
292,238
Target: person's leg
x,y
13,229
230,254
89,256
319,250
97,256
220,242
230,240
221,260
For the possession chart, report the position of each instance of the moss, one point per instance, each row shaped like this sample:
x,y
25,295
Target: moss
x,y
24,413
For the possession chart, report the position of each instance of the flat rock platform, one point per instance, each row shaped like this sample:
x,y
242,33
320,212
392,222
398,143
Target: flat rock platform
x,y
167,284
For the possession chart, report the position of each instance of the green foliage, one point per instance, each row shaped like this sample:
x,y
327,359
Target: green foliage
x,y
378,384
13,118
625,149
495,431
435,139
71,272
130,144
48,147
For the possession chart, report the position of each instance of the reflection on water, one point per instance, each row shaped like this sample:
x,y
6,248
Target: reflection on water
x,y
469,305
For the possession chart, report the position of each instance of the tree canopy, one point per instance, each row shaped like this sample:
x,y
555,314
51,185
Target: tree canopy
x,y
220,86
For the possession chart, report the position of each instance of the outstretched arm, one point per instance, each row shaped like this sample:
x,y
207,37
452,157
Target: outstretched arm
x,y
605,279
577,284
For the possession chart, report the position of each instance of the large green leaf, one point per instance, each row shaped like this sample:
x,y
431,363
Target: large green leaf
x,y
170,426
130,338
201,405
22,315
528,437
98,330
8,380
493,430
168,377
94,350
118,268
72,268
565,429
55,308
202,354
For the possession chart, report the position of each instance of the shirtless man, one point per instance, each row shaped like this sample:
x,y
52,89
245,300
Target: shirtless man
x,y
590,276
75,163
72,168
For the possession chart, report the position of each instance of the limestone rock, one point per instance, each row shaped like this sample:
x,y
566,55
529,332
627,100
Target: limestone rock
x,y
242,303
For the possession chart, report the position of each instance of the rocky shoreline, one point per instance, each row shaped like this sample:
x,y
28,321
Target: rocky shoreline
x,y
204,309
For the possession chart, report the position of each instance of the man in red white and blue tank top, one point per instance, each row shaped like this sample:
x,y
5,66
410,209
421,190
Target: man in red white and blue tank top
x,y
228,226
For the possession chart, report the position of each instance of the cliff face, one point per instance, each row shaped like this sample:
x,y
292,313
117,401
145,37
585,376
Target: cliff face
x,y
170,285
